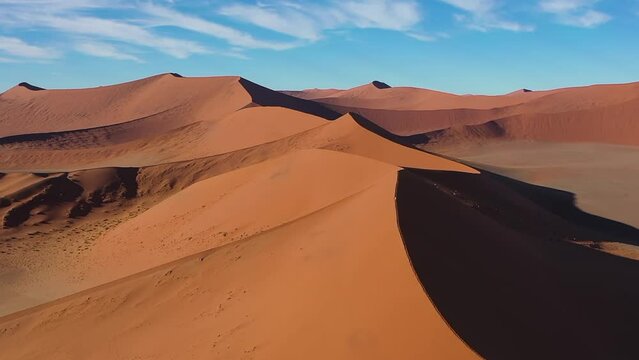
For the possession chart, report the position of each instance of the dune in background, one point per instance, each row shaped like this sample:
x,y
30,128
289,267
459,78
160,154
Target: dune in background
x,y
174,217
600,113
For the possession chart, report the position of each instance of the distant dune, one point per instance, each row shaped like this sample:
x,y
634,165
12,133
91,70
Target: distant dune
x,y
174,217
27,109
601,113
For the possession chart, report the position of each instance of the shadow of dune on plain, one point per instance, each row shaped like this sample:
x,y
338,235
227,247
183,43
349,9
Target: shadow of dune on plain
x,y
489,254
564,204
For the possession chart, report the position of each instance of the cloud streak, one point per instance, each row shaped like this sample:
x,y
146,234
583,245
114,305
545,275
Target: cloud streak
x,y
104,50
16,47
163,16
485,15
308,22
579,13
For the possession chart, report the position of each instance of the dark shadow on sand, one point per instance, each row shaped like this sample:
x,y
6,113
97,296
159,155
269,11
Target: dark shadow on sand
x,y
491,254
267,97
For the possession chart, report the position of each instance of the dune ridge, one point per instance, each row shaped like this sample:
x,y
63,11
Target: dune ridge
x,y
599,113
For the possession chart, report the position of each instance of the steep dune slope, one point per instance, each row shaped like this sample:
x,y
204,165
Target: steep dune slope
x,y
520,292
142,143
345,135
214,212
339,274
358,136
275,127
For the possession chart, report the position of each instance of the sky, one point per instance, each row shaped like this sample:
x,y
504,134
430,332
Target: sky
x,y
459,46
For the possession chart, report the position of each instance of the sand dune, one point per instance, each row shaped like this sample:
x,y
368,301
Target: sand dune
x,y
25,111
378,95
252,298
235,293
91,204
258,126
142,143
174,217
602,113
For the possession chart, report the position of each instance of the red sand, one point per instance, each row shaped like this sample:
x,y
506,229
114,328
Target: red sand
x,y
175,217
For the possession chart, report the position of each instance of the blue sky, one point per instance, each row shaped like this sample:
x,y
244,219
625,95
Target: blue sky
x,y
461,46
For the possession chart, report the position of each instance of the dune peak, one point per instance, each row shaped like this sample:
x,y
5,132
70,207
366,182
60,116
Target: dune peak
x,y
380,85
520,91
30,86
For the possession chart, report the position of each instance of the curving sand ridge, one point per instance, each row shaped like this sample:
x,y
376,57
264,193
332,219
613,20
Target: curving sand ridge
x,y
251,297
213,212
143,143
105,189
246,128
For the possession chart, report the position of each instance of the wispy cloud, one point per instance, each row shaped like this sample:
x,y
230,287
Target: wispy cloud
x,y
6,60
484,15
284,18
580,13
17,47
382,14
120,31
427,37
163,16
101,49
308,22
68,18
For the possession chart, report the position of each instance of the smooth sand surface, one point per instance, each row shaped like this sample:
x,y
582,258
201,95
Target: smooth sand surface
x,y
259,127
26,111
335,284
165,240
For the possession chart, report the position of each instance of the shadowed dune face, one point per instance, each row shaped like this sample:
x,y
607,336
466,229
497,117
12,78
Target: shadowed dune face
x,y
511,289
